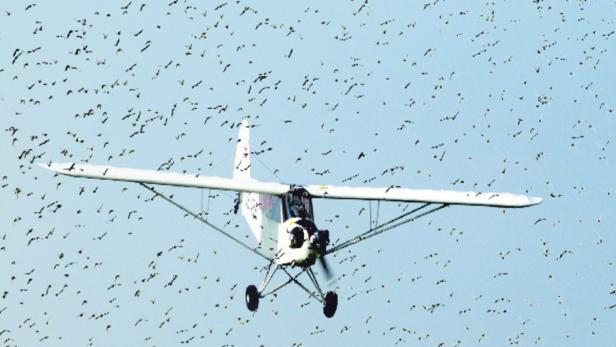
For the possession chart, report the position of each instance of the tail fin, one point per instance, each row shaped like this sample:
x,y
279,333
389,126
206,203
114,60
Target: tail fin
x,y
241,166
249,202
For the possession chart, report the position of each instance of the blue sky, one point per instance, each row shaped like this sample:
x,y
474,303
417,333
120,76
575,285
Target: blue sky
x,y
502,96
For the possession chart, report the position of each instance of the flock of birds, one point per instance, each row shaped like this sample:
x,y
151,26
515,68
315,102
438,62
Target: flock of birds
x,y
493,96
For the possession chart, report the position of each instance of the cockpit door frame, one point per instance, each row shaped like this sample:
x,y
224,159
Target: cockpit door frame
x,y
303,194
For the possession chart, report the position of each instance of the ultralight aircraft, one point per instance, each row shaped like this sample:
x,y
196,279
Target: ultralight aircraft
x,y
281,215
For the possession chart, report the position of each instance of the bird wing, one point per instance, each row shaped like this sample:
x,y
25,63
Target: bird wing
x,y
448,197
166,178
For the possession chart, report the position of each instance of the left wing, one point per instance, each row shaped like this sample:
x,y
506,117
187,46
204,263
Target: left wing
x,y
166,178
448,197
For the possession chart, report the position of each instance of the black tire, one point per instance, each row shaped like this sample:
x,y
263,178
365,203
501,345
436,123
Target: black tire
x,y
252,298
331,303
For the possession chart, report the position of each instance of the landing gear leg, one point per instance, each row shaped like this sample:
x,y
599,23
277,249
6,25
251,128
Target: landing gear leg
x,y
329,300
253,294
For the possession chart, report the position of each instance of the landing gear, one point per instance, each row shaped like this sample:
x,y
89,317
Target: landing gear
x,y
330,305
252,298
253,294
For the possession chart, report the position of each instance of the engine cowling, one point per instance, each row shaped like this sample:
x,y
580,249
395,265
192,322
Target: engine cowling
x,y
303,230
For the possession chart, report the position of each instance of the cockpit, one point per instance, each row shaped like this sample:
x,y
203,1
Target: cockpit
x,y
298,204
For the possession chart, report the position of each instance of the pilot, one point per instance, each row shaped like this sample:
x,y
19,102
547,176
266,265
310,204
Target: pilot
x,y
299,210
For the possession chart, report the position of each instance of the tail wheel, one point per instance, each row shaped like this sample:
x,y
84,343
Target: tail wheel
x,y
331,303
252,298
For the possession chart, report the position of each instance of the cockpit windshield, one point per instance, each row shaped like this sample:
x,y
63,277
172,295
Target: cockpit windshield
x,y
298,204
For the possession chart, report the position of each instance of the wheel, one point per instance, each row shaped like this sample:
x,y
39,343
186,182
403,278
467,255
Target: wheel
x,y
252,298
331,303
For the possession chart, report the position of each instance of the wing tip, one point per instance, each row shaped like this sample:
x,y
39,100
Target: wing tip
x,y
534,200
55,167
47,166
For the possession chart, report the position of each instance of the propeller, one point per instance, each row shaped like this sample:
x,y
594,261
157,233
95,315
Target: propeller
x,y
326,270
320,243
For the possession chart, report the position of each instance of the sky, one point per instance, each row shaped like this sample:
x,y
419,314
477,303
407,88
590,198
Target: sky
x,y
504,96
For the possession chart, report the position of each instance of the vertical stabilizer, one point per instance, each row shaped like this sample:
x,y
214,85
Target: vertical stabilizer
x,y
261,211
253,204
241,166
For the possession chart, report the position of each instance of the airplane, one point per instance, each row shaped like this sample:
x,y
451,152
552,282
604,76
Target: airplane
x,y
281,215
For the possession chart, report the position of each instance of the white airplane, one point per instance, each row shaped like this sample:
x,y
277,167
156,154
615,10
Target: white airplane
x,y
281,216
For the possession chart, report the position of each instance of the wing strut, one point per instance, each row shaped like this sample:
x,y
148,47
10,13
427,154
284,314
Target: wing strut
x,y
390,224
198,217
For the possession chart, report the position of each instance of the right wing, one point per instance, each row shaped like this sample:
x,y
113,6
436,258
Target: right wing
x,y
165,178
448,197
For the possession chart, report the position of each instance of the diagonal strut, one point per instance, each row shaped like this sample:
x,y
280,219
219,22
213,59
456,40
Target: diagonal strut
x,y
201,219
385,227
